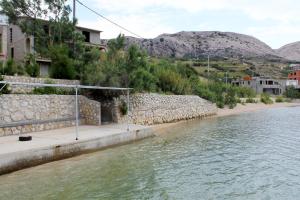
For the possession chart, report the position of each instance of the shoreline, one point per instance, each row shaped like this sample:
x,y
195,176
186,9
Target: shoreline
x,y
239,109
252,107
59,144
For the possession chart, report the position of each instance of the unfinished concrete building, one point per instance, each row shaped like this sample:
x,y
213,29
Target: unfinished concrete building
x,y
17,46
265,84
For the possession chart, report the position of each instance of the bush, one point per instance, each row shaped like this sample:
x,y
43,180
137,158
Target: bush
x,y
142,80
279,99
251,100
52,90
4,90
220,104
171,81
31,67
292,93
123,108
244,92
265,98
62,66
10,67
230,99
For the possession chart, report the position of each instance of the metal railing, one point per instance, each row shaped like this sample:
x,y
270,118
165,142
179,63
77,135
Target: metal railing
x,y
76,87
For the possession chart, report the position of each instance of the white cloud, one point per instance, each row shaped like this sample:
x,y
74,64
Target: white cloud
x,y
147,25
257,9
150,18
276,35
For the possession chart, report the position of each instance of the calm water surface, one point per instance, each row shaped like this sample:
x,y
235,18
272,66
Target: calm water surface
x,y
250,156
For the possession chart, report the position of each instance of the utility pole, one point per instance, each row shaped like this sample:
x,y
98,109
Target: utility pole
x,y
74,23
226,78
208,65
74,11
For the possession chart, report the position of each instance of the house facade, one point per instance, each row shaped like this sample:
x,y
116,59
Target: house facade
x,y
295,76
265,84
3,38
16,45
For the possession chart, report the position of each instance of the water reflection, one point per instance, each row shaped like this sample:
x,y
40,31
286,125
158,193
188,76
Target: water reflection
x,y
251,156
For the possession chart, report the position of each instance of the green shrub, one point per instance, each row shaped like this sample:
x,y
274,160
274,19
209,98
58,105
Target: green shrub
x,y
62,66
123,108
171,81
265,98
279,99
292,93
1,68
220,104
5,89
10,67
31,67
244,92
142,80
52,90
251,100
230,98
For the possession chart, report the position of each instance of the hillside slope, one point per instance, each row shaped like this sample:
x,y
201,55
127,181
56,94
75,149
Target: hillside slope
x,y
200,44
290,51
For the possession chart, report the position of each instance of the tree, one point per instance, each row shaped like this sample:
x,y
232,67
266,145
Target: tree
x,y
143,80
230,99
292,93
62,65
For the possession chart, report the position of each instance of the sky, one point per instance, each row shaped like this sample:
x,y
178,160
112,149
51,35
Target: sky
x,y
275,22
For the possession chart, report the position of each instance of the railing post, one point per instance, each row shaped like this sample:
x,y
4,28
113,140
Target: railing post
x,y
76,111
128,109
99,113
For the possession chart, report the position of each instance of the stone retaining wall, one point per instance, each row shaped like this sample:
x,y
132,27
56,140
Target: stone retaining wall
x,y
19,89
30,113
147,109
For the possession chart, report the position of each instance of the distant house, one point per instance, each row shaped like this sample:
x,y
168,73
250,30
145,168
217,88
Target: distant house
x,y
265,84
294,67
295,76
17,45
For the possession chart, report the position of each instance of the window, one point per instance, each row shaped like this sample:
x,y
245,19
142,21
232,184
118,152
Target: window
x,y
12,53
46,29
10,35
28,45
86,35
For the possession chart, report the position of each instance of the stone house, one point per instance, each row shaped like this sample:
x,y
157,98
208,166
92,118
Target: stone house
x,y
16,45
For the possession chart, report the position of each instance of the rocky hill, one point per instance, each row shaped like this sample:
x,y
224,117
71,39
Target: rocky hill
x,y
200,44
290,51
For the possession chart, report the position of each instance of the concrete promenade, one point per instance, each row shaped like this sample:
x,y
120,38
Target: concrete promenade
x,y
58,144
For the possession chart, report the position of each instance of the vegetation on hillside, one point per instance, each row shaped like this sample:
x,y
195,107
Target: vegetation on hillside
x,y
133,68
116,67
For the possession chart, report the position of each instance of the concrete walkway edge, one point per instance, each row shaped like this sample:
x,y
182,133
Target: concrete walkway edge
x,y
23,159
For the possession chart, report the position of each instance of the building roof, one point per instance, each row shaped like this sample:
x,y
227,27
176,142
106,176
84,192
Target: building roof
x,y
78,27
88,29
